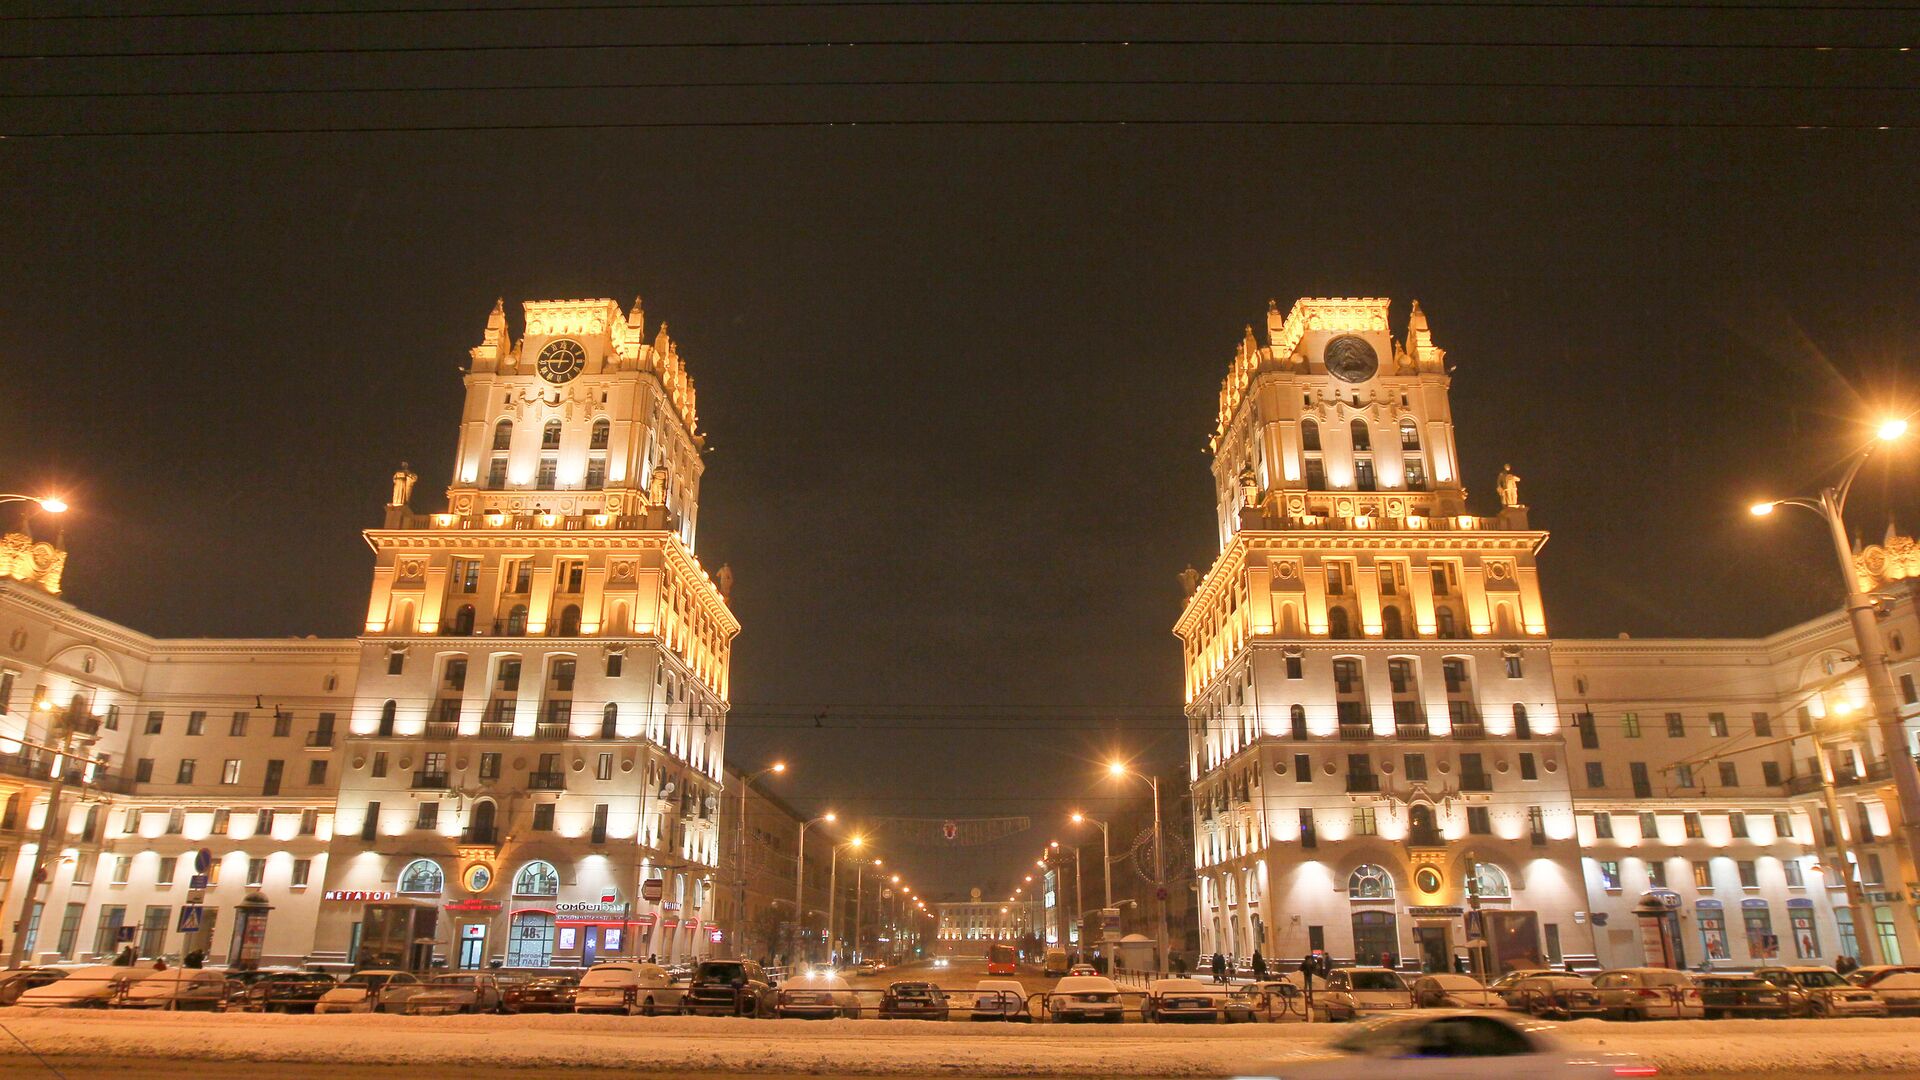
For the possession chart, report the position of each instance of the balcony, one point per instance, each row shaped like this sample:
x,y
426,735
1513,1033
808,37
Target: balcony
x,y
440,729
495,729
546,781
1477,781
1358,783
1469,730
487,837
548,732
1413,729
1356,731
320,739
424,780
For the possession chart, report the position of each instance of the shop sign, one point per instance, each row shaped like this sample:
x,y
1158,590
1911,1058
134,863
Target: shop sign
x,y
359,895
474,905
670,905
715,935
669,924
1885,897
1435,910
589,909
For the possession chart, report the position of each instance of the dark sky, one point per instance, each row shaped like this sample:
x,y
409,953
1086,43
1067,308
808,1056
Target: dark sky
x,y
957,378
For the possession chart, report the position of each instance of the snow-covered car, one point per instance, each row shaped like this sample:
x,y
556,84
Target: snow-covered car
x,y
728,988
542,993
1083,969
88,988
176,989
17,981
1648,994
1899,992
1086,997
1177,1000
1000,999
627,986
456,992
287,992
1441,1045
914,1001
1443,991
1544,993
373,990
1355,990
1820,991
1740,996
820,996
1871,974
1501,984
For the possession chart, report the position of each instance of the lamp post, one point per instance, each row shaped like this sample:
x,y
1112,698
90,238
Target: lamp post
x,y
800,879
833,891
859,897
52,504
1117,770
740,855
1106,857
1830,504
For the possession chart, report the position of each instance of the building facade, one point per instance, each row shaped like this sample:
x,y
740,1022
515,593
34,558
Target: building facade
x,y
969,927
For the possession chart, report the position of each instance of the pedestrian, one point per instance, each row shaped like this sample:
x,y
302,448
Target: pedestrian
x,y
1259,966
1179,966
1219,968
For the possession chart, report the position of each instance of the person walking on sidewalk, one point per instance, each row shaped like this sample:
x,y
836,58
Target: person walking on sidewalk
x,y
1219,968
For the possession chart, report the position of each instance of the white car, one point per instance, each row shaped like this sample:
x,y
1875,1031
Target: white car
x,y
1086,997
1440,1045
1355,990
461,992
822,996
88,988
1649,994
1899,992
629,987
1170,1000
1000,999
17,981
177,988
373,990
1441,991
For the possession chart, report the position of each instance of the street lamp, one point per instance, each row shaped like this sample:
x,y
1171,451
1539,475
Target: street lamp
x,y
800,878
52,504
1106,858
740,855
833,890
1119,770
1830,504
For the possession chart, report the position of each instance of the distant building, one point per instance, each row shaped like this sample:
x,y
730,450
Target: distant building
x,y
969,927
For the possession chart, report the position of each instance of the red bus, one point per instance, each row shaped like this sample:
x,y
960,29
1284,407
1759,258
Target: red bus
x,y
1001,960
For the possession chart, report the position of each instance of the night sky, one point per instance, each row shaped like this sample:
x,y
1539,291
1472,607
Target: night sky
x,y
958,377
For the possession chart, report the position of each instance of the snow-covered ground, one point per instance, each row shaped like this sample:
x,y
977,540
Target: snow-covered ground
x,y
880,1048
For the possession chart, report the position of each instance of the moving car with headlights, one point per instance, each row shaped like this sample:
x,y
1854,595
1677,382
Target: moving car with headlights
x,y
1724,994
542,993
1544,993
1355,990
913,1001
1086,997
286,992
1181,1001
1083,969
1441,1045
1648,994
1000,999
1443,991
627,986
177,988
93,987
456,992
820,996
1820,991
1899,992
728,988
371,990
18,981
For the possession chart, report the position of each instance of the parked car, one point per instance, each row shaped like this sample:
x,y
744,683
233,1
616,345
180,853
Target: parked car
x,y
627,986
88,988
1648,994
371,990
1442,991
542,993
1054,964
1872,974
1352,991
1544,993
913,1001
820,996
1086,997
287,992
456,992
728,988
1178,1000
1731,994
1899,992
176,989
1820,991
1440,1044
1000,999
1501,984
17,981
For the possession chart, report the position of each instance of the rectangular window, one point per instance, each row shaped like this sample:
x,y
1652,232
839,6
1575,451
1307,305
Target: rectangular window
x,y
316,773
1630,725
600,823
1596,774
143,770
69,930
167,871
428,816
1336,580
1692,823
1676,725
379,763
1762,725
489,766
309,821
1294,667
1783,825
176,821
370,824
1749,874
1870,873
230,771
1792,869
1602,825
282,724
256,873
1770,773
184,775
1729,774
1346,675
1610,875
302,872
1908,692
1649,827
543,817
1302,769
1309,837
154,722
1737,825
239,725
1365,822
604,769
196,723
1656,873
615,663
1416,766
1528,770
1536,825
1513,665
1717,724
221,819
1683,776
1479,822
263,822
1702,874
122,869
106,939
153,929
396,662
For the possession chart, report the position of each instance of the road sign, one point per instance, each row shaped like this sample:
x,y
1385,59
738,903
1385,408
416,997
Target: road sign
x,y
1476,928
203,862
197,881
190,915
123,934
653,889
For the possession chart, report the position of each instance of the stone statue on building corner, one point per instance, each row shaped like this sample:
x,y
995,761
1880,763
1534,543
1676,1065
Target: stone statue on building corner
x,y
723,578
403,482
1249,487
1190,580
1508,486
657,486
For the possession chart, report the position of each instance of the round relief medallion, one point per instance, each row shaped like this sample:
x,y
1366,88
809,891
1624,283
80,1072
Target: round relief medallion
x,y
1498,571
579,764
1286,570
1502,765
1444,766
1280,768
1428,879
626,765
1351,359
1329,770
1551,764
478,878
519,763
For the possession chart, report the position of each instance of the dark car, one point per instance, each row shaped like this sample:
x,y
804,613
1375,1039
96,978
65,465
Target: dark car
x,y
913,1001
1741,996
287,992
728,988
542,993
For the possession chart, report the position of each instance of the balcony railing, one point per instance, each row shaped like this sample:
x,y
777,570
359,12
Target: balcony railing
x,y
1469,731
488,837
1356,731
1413,729
1362,782
1475,782
429,781
546,781
494,729
551,732
440,729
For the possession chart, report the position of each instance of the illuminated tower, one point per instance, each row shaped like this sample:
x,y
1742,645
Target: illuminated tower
x,y
1373,733
541,711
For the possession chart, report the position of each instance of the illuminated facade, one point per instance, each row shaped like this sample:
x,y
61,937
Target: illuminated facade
x,y
968,927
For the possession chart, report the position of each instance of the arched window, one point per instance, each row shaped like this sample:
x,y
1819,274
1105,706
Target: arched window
x,y
463,620
517,620
1338,623
537,878
1362,439
1420,826
550,436
1522,729
1409,435
570,620
1309,435
1445,618
1391,624
403,618
387,712
503,435
11,817
1490,882
1369,882
601,431
618,623
609,721
480,823
1298,721
422,876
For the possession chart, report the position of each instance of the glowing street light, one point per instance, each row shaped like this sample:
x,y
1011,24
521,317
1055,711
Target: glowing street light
x,y
52,504
1118,769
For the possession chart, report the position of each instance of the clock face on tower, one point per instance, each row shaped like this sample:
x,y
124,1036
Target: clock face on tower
x,y
561,360
1351,359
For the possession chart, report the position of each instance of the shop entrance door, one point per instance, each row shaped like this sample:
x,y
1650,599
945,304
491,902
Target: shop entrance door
x,y
590,946
1435,952
473,946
